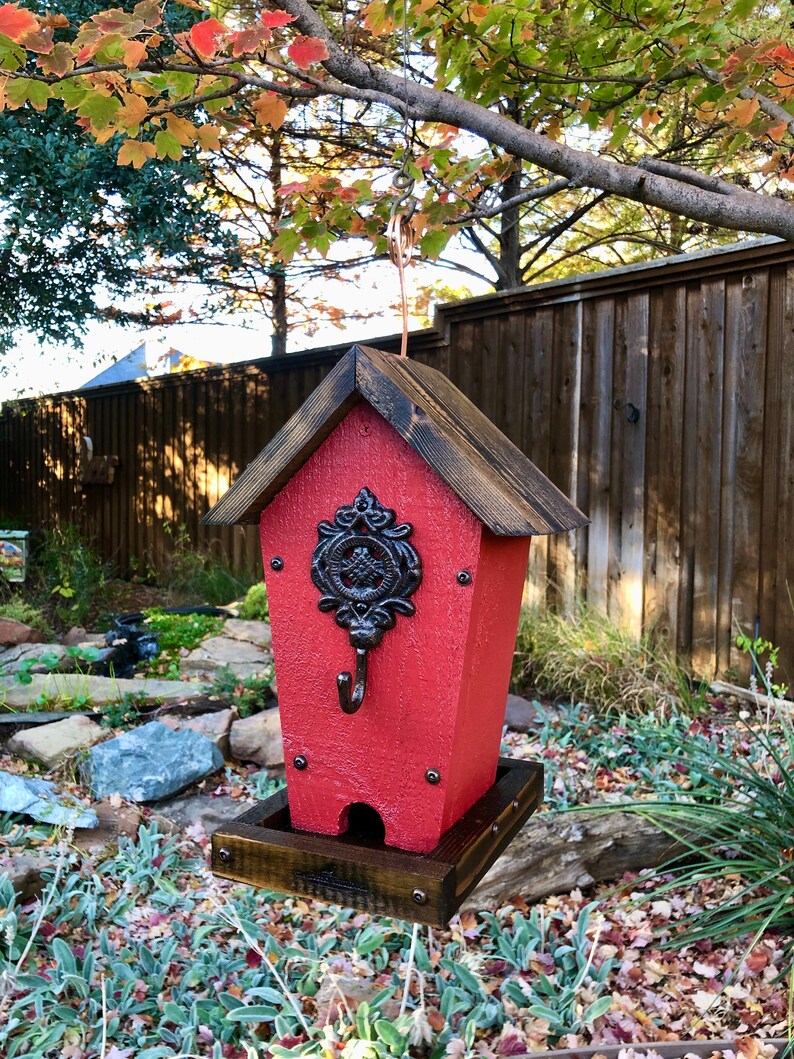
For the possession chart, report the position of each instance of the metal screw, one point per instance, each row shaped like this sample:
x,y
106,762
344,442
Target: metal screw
x,y
516,805
464,577
494,829
276,563
419,896
433,776
300,762
224,855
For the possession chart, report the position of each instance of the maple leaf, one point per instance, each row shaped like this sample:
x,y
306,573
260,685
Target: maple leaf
x,y
134,52
55,21
135,153
306,51
270,109
183,131
273,19
15,22
249,40
133,112
743,111
39,41
207,37
207,137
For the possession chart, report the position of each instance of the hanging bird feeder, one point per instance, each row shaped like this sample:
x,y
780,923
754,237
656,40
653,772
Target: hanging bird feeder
x,y
395,525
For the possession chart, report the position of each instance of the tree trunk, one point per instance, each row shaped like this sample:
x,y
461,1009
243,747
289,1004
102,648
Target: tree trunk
x,y
278,281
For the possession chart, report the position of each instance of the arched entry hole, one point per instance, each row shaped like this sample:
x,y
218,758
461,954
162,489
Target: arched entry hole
x,y
365,823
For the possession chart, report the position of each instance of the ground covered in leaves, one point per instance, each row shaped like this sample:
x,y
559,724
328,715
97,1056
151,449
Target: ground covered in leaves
x,y
141,954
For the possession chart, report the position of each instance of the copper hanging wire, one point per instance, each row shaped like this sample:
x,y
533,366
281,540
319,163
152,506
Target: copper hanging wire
x,y
400,230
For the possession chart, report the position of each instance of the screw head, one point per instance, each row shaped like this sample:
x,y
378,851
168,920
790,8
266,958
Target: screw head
x,y
300,762
516,805
494,829
277,563
420,896
224,855
433,776
463,577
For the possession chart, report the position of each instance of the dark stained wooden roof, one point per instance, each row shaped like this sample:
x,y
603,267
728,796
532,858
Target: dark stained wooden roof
x,y
488,472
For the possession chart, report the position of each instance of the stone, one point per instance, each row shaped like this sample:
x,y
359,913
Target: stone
x,y
115,820
220,652
41,800
203,808
258,739
341,992
51,744
520,714
214,726
25,872
16,632
257,632
75,636
149,763
96,690
43,656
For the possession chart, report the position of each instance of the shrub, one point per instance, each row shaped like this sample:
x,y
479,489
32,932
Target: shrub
x,y
18,609
174,633
70,579
588,657
197,576
249,694
254,606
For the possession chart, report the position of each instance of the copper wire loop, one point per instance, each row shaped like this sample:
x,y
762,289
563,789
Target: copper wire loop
x,y
400,241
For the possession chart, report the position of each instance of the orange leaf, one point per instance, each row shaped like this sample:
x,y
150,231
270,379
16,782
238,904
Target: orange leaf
x,y
777,132
270,109
274,19
743,111
55,21
133,112
305,51
15,22
183,131
134,52
207,37
135,153
149,12
207,137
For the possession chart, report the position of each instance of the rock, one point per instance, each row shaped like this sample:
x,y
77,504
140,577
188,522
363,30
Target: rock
x,y
43,656
51,744
556,852
16,632
150,763
13,722
258,739
257,632
520,714
41,800
97,690
25,872
114,820
211,812
74,636
220,652
214,726
342,992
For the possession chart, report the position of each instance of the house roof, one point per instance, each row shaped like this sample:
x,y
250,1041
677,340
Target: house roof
x,y
485,469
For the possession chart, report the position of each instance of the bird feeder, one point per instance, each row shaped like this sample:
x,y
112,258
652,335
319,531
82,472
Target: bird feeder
x,y
395,523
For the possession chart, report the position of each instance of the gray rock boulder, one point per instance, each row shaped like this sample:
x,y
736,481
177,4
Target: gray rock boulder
x,y
97,690
219,652
257,632
520,714
258,739
214,726
40,657
150,763
41,800
188,809
52,744
25,872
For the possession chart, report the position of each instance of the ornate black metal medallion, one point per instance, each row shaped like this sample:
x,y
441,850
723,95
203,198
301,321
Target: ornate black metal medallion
x,y
367,571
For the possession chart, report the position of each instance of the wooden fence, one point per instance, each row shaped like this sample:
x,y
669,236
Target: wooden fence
x,y
658,397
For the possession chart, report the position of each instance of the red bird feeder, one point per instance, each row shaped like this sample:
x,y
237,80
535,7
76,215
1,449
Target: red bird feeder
x,y
395,525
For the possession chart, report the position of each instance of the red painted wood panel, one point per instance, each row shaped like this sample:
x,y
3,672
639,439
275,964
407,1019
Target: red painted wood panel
x,y
417,714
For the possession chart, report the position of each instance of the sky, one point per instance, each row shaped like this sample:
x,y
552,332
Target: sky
x,y
35,369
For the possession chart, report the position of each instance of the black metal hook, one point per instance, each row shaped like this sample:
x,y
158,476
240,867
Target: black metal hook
x,y
351,703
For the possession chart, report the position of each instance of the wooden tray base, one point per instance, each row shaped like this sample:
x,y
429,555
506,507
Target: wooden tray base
x,y
261,849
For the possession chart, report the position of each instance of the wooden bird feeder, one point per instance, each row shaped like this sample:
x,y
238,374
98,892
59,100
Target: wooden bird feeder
x,y
395,524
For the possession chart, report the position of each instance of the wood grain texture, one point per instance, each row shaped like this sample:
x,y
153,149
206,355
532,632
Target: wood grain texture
x,y
262,849
492,477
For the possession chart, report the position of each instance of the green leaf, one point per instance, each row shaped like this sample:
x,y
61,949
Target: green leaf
x,y
389,1034
167,145
253,1013
597,1009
